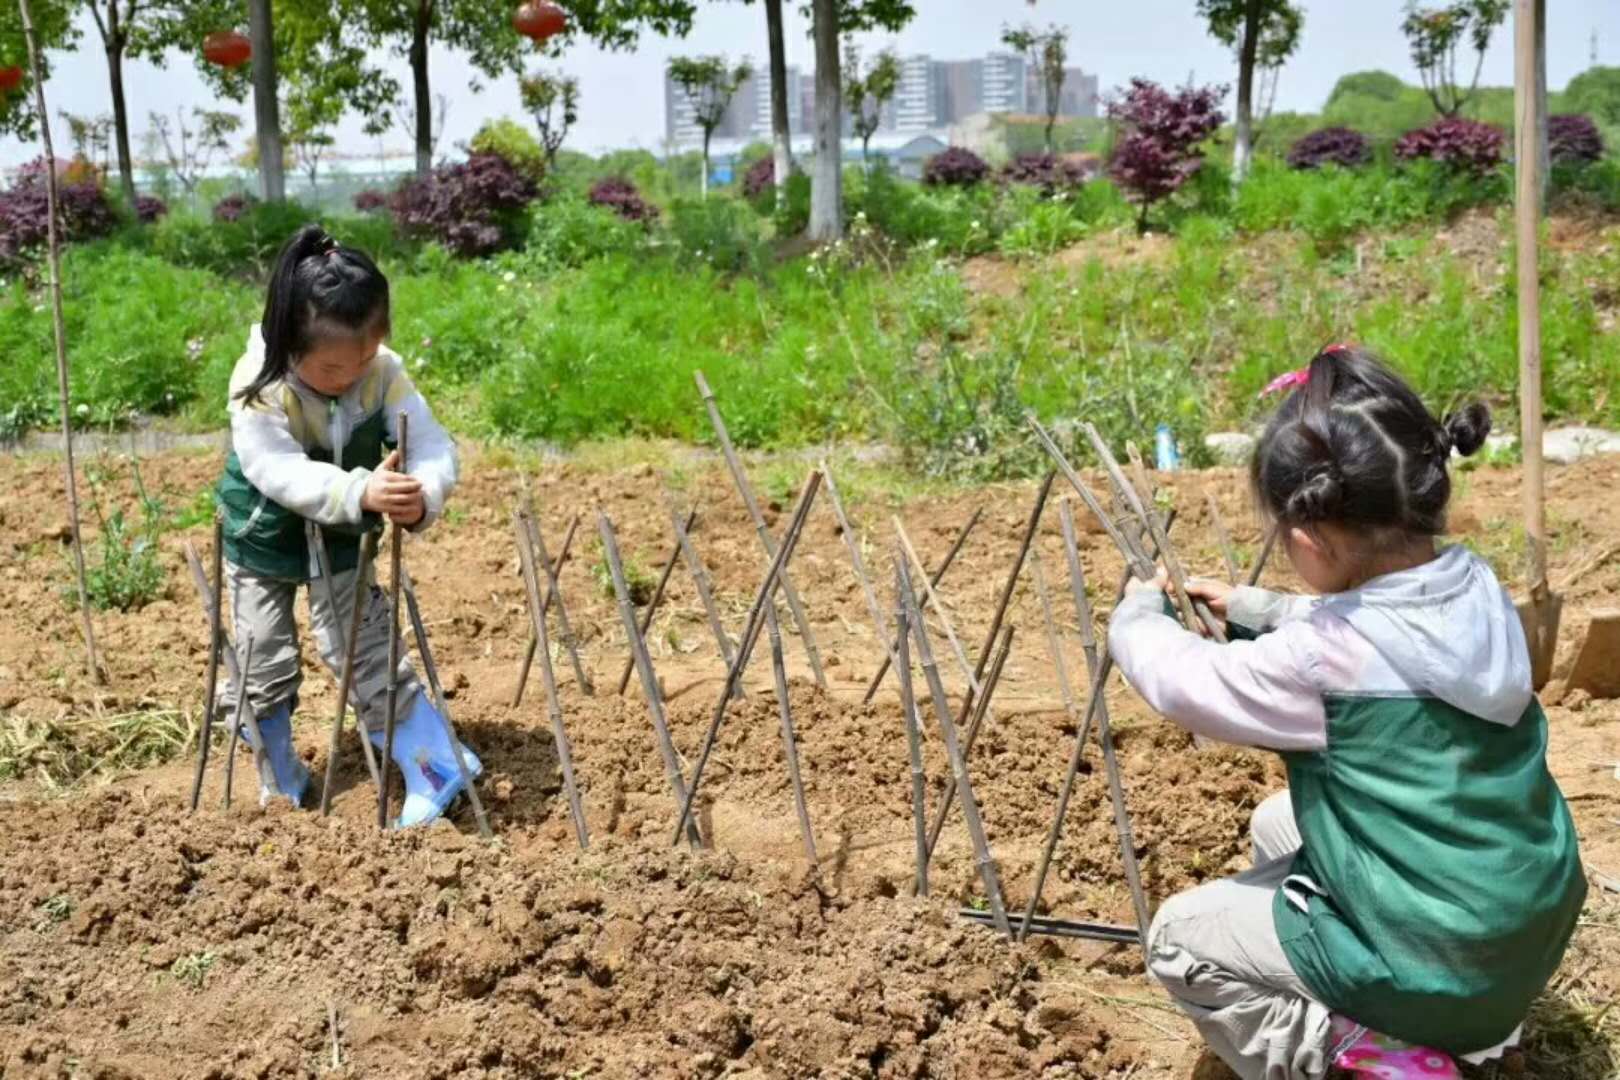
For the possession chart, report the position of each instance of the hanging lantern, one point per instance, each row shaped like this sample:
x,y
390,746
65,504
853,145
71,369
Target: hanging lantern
x,y
10,78
227,48
539,19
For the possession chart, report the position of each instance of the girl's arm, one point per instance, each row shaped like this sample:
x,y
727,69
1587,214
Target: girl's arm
x,y
1254,693
432,452
276,463
1260,611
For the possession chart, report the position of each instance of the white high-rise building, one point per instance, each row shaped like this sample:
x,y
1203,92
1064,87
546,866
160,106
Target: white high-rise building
x,y
1004,85
917,99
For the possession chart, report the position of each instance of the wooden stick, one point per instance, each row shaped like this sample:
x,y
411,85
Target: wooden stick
x,y
856,561
1225,538
700,580
216,631
740,478
1137,560
644,666
316,540
537,540
431,670
245,715
934,580
1527,223
657,599
790,742
53,239
524,532
395,554
939,609
332,1025
351,645
751,629
953,750
908,710
1200,611
230,747
1031,527
1265,553
551,594
233,663
980,708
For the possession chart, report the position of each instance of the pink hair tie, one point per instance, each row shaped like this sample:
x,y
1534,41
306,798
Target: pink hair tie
x,y
1289,380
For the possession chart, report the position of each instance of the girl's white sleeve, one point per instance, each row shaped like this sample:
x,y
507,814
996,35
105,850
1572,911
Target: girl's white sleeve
x,y
432,452
276,463
1263,693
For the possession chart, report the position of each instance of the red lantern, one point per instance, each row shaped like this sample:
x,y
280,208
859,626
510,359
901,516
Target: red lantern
x,y
227,48
539,19
10,78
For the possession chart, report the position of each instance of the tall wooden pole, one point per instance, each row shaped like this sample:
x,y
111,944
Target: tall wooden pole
x,y
1527,210
58,326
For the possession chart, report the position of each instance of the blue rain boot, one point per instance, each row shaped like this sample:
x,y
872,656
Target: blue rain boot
x,y
422,752
292,779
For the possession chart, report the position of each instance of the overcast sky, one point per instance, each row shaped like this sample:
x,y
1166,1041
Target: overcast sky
x,y
622,93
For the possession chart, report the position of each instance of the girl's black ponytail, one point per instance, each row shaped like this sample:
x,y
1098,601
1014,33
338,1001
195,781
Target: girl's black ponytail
x,y
317,290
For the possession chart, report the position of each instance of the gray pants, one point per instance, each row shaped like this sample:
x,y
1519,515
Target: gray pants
x,y
1215,949
263,607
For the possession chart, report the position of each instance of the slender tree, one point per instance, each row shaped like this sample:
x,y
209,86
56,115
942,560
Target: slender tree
x,y
1048,56
1436,33
190,149
708,83
553,100
1263,33
867,95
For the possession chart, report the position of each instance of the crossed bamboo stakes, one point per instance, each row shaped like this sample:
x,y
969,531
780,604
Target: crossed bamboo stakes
x,y
1139,531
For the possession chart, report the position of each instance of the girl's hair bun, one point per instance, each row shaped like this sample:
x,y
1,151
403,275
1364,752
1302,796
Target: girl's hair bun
x,y
1467,427
1317,499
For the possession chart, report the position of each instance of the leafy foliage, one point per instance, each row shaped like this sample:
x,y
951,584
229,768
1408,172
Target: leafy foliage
x,y
1047,172
553,100
1435,33
955,166
370,201
1573,139
58,32
124,568
150,208
1047,53
1341,146
232,207
25,211
1158,147
719,233
1465,145
866,95
568,232
620,195
513,143
469,207
760,179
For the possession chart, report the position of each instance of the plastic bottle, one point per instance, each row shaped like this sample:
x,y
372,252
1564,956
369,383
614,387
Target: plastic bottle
x,y
1165,457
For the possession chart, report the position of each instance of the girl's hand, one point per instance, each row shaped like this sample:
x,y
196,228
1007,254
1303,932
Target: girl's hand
x,y
1159,583
395,495
1212,592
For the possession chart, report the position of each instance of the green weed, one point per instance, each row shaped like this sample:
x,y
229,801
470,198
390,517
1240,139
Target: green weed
x,y
56,909
62,751
192,969
123,565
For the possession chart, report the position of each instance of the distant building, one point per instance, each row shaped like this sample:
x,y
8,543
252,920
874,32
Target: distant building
x,y
1079,94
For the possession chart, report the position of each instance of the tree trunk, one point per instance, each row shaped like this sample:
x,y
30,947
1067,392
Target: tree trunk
x,y
703,182
424,96
266,111
1051,144
115,74
826,184
1243,144
781,136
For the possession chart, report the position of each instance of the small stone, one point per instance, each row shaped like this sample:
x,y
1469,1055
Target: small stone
x,y
1230,447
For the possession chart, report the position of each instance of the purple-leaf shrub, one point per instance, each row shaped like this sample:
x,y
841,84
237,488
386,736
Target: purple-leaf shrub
x,y
955,166
1458,143
370,201
1573,139
1046,171
231,208
1341,146
1157,150
25,211
759,179
149,208
620,195
462,206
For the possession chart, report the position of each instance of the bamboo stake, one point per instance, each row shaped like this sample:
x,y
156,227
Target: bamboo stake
x,y
551,594
934,580
395,554
245,715
357,606
216,631
537,540
856,561
657,599
245,663
751,629
934,602
740,478
700,580
964,785
1031,527
316,541
979,709
230,748
908,710
790,742
1200,613
524,533
1140,564
233,663
644,666
1265,553
413,610
1225,538
53,239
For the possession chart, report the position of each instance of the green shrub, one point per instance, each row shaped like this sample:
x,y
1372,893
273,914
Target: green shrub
x,y
718,231
123,565
1040,226
508,139
567,231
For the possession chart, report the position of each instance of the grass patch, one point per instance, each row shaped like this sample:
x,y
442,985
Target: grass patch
x,y
60,752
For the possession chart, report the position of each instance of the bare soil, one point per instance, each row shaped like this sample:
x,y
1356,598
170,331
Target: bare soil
x,y
139,941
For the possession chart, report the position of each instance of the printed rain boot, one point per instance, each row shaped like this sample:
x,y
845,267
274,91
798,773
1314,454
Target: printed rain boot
x,y
1367,1053
292,778
422,752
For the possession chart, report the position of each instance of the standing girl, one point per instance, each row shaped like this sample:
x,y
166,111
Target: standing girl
x,y
1416,885
314,405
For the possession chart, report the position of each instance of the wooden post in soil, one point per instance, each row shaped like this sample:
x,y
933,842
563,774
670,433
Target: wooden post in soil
x,y
551,595
1227,554
857,562
644,667
357,610
978,709
751,628
537,541
953,750
744,489
975,686
524,535
216,631
657,599
701,582
1259,566
1541,608
396,554
790,741
934,581
1031,527
908,713
53,242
